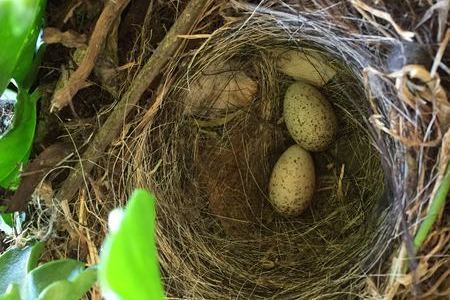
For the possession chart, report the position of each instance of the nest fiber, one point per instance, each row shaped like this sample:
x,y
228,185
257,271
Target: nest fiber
x,y
209,163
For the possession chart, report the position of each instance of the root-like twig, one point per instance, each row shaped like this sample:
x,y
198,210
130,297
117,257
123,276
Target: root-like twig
x,y
143,79
77,81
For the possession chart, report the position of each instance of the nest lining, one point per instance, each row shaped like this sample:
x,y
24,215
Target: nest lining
x,y
326,251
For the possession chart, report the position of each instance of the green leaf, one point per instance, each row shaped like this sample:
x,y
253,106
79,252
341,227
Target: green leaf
x,y
70,290
16,263
8,218
15,146
45,275
129,267
20,26
20,23
6,222
12,293
31,70
18,275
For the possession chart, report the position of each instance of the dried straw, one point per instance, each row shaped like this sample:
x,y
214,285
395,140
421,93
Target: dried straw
x,y
331,250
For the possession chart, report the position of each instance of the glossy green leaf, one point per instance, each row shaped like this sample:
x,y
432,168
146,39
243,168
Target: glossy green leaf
x,y
6,222
12,293
43,276
70,290
16,263
129,267
8,218
15,146
30,71
20,24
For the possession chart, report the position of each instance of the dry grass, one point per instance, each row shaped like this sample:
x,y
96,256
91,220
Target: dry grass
x,y
328,250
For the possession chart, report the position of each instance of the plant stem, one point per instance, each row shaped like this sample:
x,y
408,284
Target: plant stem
x,y
435,208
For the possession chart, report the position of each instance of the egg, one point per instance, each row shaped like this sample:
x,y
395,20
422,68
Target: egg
x,y
221,87
292,183
309,117
306,64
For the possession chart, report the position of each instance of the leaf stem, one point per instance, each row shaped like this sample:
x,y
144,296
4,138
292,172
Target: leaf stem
x,y
435,208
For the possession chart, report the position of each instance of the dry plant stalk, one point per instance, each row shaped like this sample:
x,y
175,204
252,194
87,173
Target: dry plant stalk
x,y
77,81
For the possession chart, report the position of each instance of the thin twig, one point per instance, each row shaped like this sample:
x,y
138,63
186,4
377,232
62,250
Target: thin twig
x,y
440,53
77,81
144,78
361,6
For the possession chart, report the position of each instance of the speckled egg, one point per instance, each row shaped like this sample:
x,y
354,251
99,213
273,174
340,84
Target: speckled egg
x,y
306,65
292,182
309,117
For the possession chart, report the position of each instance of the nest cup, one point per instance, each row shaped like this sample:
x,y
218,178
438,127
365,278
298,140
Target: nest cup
x,y
209,165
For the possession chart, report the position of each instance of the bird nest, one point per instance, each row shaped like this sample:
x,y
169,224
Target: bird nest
x,y
218,131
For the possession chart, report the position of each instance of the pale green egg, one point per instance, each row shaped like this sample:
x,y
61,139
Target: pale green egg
x,y
309,117
292,183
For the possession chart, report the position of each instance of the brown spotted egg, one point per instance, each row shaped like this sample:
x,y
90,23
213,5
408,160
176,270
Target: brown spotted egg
x,y
309,117
292,182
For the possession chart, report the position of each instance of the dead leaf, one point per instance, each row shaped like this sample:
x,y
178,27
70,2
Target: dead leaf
x,y
417,87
